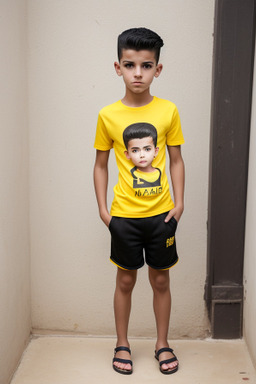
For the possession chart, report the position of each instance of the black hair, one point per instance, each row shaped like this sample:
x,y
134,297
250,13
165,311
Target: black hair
x,y
138,39
138,131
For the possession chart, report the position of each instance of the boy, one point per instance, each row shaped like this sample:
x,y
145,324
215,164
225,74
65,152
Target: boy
x,y
140,222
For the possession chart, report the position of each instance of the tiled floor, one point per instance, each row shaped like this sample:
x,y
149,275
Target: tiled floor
x,y
77,360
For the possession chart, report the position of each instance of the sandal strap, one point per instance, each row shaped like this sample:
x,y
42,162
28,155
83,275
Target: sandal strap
x,y
126,349
164,350
124,361
168,361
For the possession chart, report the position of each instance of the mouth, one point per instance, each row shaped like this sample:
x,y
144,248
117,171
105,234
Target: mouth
x,y
137,83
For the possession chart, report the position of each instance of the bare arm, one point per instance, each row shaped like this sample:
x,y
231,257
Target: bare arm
x,y
177,171
101,184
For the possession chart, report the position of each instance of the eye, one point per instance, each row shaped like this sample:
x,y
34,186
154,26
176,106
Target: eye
x,y
148,149
128,65
147,66
134,151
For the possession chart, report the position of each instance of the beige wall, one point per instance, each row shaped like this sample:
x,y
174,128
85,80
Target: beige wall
x,y
250,241
71,76
15,319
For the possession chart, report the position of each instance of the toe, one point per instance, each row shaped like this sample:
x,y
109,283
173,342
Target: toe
x,y
127,367
169,366
172,365
164,367
122,366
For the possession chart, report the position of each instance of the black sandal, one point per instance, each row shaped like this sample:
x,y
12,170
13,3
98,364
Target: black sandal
x,y
166,372
119,370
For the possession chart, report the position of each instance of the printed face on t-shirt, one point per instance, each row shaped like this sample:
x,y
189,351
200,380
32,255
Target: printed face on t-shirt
x,y
142,152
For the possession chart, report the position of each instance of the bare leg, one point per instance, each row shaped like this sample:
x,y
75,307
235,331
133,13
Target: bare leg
x,y
160,282
125,281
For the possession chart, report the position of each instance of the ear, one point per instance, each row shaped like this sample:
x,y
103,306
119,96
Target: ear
x,y
127,155
117,68
159,68
156,151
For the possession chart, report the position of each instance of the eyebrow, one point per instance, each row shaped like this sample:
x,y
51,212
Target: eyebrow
x,y
145,146
132,62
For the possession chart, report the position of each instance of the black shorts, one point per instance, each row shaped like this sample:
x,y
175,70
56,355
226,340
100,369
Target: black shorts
x,y
131,239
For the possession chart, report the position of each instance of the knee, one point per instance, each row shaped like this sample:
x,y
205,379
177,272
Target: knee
x,y
126,283
160,283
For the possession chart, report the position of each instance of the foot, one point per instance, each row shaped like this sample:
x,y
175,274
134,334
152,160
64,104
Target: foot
x,y
122,360
168,362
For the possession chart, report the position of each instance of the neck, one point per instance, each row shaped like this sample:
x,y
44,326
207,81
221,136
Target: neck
x,y
134,100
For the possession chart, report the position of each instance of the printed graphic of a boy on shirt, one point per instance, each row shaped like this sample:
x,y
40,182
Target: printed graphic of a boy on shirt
x,y
140,140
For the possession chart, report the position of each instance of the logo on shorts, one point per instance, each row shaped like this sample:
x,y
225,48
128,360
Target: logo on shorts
x,y
170,241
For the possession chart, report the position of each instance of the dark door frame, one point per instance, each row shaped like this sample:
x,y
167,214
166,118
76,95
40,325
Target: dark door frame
x,y
233,58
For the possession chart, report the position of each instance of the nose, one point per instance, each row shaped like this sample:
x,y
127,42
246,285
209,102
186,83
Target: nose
x,y
137,71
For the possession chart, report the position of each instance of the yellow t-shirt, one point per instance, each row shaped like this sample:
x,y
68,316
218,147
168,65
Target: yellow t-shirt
x,y
139,194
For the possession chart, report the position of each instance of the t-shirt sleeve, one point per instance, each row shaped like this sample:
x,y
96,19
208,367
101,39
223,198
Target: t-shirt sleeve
x,y
103,141
175,135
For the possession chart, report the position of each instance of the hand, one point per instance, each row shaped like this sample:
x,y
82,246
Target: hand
x,y
176,213
106,218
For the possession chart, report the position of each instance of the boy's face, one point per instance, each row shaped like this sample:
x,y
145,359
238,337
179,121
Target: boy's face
x,y
138,69
142,152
